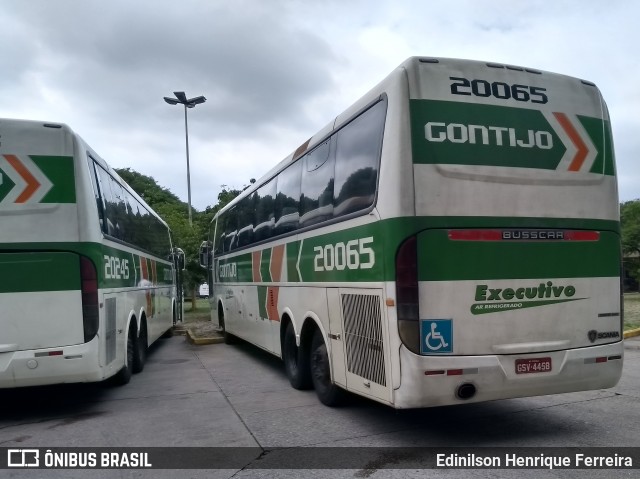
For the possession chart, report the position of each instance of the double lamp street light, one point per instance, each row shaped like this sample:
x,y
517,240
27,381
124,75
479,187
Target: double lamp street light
x,y
181,98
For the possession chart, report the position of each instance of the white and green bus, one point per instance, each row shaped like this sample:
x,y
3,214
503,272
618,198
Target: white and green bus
x,y
87,274
452,237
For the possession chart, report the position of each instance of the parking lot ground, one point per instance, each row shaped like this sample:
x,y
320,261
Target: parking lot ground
x,y
220,396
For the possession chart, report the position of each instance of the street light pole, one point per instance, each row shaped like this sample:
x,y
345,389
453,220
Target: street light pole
x,y
186,137
191,103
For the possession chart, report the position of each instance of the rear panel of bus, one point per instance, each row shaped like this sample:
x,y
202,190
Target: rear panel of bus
x,y
511,285
48,290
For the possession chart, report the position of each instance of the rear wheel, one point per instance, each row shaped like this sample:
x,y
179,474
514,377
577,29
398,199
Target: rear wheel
x,y
140,352
124,375
328,393
228,337
296,363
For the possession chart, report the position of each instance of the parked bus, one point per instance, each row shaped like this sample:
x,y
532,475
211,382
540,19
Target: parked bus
x,y
87,274
451,237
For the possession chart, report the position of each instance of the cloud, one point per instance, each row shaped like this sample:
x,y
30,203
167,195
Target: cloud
x,y
275,72
117,58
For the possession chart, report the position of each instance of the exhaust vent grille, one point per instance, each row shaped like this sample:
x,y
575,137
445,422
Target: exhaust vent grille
x,y
363,336
110,315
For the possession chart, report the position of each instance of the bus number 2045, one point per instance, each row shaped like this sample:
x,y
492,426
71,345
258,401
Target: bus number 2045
x,y
355,254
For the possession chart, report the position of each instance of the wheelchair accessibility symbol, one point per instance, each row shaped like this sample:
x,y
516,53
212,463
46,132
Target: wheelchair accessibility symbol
x,y
436,336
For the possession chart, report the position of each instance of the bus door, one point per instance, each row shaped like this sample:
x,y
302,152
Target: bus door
x,y
359,342
179,267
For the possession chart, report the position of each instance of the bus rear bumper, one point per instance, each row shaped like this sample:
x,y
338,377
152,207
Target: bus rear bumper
x,y
439,381
66,364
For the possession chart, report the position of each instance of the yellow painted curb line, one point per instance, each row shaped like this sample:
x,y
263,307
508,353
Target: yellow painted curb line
x,y
631,333
203,341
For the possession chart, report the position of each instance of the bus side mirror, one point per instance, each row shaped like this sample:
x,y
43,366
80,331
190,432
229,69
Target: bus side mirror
x,y
205,254
178,258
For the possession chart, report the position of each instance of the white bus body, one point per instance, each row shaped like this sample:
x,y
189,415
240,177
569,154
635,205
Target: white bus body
x,y
86,280
452,237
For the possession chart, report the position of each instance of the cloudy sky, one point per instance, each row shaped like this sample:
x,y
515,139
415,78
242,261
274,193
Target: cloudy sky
x,y
276,71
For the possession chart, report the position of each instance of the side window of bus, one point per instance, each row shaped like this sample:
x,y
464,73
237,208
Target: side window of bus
x,y
265,215
246,214
231,230
108,227
93,167
146,231
287,202
357,161
133,230
316,202
220,235
161,245
118,211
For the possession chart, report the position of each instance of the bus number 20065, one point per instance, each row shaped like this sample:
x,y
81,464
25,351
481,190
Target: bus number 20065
x,y
355,254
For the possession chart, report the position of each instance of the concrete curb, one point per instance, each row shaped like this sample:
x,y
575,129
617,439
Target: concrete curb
x,y
202,341
179,330
632,333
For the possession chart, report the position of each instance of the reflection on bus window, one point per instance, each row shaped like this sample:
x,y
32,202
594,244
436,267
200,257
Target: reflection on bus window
x,y
357,159
316,203
288,199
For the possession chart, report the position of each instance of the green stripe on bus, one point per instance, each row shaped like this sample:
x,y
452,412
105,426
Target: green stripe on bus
x,y
293,249
6,185
262,302
595,128
445,132
60,171
39,271
264,265
116,268
441,259
343,256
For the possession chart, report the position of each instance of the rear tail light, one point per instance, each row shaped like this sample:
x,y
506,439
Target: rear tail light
x,y
90,307
407,296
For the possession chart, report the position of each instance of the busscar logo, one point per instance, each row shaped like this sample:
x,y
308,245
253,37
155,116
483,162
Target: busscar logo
x,y
593,335
23,458
527,235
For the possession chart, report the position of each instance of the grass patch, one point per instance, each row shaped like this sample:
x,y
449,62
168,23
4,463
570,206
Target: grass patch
x,y
201,312
631,311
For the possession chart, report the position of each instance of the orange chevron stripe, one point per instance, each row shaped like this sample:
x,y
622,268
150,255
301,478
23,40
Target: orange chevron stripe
x,y
277,255
256,257
144,270
154,273
583,151
32,183
272,303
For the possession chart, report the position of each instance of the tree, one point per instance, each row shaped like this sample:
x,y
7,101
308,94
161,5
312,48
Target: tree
x,y
630,237
630,226
175,213
146,186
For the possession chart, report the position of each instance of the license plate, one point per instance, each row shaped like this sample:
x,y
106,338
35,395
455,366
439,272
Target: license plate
x,y
533,365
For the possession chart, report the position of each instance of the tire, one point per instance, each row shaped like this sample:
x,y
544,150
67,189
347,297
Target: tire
x,y
228,337
328,393
123,376
167,334
140,353
296,362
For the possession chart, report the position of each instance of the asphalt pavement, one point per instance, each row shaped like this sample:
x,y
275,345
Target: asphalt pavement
x,y
238,397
